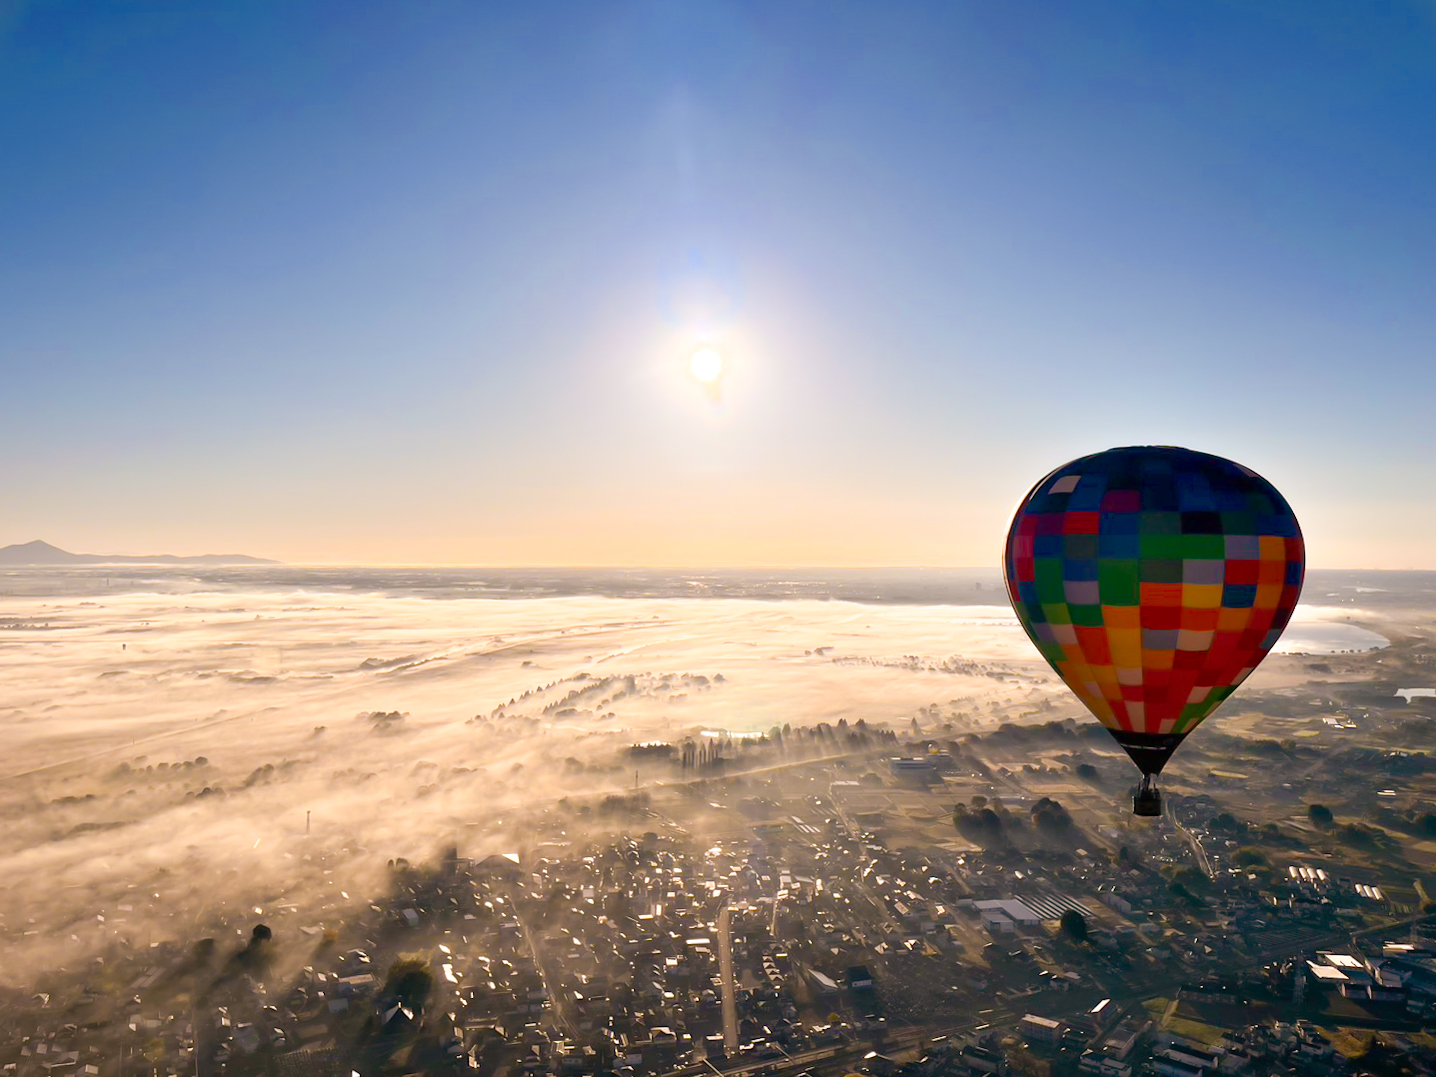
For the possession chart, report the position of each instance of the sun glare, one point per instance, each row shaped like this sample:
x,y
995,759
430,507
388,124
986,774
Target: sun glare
x,y
706,365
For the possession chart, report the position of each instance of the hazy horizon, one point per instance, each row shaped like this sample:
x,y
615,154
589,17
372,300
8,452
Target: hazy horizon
x,y
994,565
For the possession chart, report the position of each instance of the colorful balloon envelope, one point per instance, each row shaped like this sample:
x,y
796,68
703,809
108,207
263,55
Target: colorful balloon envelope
x,y
1153,579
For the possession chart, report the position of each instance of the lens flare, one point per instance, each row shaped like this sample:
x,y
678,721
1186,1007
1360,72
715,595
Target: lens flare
x,y
706,365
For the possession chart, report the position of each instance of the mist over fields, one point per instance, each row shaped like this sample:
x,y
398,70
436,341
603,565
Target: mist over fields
x,y
167,733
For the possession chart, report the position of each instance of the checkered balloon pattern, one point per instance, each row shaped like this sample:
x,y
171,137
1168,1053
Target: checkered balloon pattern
x,y
1154,580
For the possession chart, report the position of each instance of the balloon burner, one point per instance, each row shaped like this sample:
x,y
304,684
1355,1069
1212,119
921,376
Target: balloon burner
x,y
1148,800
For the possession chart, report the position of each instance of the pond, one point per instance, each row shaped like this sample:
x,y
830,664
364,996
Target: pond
x,y
1317,630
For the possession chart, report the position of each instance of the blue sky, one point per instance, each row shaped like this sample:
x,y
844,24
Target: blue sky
x,y
419,283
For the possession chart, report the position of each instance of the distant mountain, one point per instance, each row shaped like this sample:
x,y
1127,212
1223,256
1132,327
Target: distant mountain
x,y
42,553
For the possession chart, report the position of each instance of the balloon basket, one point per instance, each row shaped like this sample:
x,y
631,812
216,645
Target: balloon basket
x,y
1148,800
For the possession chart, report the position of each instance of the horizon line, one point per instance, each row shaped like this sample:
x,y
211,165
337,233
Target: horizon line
x,y
586,567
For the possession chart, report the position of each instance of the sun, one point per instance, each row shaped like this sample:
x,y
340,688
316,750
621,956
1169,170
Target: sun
x,y
706,365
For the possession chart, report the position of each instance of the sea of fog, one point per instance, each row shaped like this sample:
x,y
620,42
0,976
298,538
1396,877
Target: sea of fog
x,y
170,733
901,586
1323,624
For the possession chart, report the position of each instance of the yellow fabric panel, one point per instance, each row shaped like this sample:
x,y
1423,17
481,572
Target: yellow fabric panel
x,y
1126,647
1233,620
1202,596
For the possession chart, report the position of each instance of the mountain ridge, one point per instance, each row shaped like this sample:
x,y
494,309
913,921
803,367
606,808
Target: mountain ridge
x,y
40,552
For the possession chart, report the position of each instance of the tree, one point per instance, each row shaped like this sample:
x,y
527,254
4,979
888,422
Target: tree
x,y
257,955
1074,925
1179,890
411,982
1049,815
1188,876
983,825
1321,816
1025,1064
1226,822
1247,857
1383,1059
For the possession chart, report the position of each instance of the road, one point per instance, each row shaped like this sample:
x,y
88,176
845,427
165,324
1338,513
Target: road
x,y
849,1054
730,988
550,982
1203,861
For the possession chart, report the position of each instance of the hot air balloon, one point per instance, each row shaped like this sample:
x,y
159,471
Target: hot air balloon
x,y
1153,579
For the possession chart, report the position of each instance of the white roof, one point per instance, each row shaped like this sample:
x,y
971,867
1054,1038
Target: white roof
x,y
1017,910
1044,1022
1342,961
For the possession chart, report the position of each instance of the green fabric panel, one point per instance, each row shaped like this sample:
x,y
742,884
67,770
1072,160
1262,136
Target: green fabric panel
x,y
1118,582
1053,652
1047,572
1204,547
1164,547
1193,713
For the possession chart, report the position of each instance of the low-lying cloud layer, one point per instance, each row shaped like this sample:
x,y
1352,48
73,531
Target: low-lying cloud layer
x,y
165,750
176,761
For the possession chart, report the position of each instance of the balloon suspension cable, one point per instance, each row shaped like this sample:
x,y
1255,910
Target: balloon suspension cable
x,y
1148,800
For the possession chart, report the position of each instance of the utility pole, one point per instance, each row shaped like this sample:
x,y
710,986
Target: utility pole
x,y
306,822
